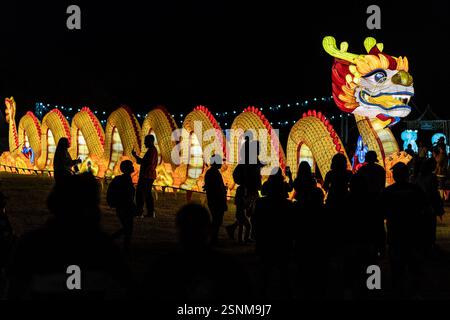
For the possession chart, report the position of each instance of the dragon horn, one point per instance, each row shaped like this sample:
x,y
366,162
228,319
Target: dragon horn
x,y
370,42
329,44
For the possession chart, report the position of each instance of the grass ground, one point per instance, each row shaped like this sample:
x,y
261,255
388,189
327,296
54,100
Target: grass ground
x,y
153,237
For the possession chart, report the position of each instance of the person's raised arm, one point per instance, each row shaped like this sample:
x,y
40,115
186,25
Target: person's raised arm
x,y
76,161
138,159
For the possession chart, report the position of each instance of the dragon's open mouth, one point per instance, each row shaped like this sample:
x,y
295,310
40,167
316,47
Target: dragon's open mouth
x,y
404,99
387,101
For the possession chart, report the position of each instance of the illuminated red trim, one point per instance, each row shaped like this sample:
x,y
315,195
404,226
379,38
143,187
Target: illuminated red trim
x,y
96,123
319,115
269,129
215,125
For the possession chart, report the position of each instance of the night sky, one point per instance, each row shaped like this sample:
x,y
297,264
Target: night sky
x,y
222,54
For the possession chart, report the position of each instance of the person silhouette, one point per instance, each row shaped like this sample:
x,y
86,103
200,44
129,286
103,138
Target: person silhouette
x,y
337,182
428,182
6,234
273,233
247,175
409,150
304,183
273,181
206,275
375,177
71,238
242,223
121,192
404,209
216,194
310,251
440,155
62,162
361,235
147,175
423,150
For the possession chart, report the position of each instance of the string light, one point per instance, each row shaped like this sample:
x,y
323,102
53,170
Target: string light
x,y
227,116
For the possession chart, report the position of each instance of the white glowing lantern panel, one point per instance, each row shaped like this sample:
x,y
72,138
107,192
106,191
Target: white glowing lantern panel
x,y
195,167
305,154
83,151
51,147
116,149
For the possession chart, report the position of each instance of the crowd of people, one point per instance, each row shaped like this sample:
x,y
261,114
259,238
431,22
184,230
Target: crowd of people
x,y
331,232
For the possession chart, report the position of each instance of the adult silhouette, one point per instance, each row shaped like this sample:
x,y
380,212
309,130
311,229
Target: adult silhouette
x,y
6,234
216,194
375,177
62,162
274,182
428,182
305,184
440,155
361,225
247,175
195,272
273,233
409,150
120,195
337,182
72,237
311,234
404,207
147,175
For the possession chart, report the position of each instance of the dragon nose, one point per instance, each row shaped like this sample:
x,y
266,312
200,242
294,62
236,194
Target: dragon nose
x,y
402,78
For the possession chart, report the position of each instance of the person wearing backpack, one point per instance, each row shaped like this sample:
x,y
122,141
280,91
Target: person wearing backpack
x,y
120,195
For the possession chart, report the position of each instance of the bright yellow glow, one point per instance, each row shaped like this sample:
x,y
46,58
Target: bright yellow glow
x,y
312,132
311,139
51,148
305,154
83,150
116,149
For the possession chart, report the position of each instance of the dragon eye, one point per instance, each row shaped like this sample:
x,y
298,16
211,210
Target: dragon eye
x,y
380,76
377,75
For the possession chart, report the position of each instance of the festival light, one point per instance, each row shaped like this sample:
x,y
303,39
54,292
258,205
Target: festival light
x,y
107,142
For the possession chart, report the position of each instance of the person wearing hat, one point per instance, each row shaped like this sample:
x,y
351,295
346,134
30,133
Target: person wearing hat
x,y
375,177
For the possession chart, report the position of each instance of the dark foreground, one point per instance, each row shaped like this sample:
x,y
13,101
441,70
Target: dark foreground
x,y
155,237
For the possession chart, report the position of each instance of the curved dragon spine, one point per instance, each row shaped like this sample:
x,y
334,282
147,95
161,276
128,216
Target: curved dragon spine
x,y
316,132
54,127
161,123
123,125
253,119
13,140
30,130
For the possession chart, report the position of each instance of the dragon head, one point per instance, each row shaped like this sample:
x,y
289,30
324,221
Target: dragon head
x,y
10,109
373,85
